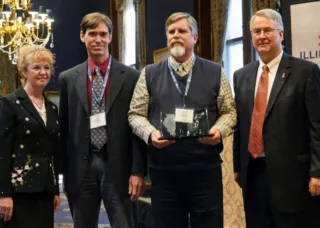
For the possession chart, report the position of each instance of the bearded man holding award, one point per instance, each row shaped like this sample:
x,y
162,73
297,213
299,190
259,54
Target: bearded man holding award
x,y
183,108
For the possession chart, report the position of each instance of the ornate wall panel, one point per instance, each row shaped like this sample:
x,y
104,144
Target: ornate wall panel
x,y
232,194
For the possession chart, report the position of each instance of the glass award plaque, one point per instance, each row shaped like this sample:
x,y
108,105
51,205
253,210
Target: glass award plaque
x,y
173,130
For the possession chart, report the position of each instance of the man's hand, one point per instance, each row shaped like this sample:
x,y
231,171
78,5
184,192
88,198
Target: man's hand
x,y
6,208
314,186
136,186
56,203
237,178
155,136
212,140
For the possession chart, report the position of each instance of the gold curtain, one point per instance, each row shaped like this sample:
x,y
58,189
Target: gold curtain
x,y
233,209
263,4
7,75
120,4
141,32
219,12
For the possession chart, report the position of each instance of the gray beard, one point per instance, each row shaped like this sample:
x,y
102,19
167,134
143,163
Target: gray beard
x,y
177,51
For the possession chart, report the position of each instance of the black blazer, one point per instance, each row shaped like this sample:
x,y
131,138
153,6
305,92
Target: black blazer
x,y
29,150
126,153
291,131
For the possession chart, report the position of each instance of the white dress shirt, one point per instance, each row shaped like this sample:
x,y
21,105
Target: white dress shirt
x,y
273,66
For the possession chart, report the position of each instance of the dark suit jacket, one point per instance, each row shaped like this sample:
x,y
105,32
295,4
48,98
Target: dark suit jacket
x,y
126,153
291,131
29,150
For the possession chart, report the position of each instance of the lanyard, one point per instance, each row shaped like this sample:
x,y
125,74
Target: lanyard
x,y
94,94
177,85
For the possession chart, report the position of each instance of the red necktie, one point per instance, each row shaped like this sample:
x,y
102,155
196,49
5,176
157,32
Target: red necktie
x,y
256,146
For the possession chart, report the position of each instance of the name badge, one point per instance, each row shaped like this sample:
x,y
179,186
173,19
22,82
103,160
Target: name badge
x,y
184,115
98,120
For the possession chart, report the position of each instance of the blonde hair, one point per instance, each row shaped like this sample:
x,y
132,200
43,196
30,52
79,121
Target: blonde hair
x,y
269,14
27,54
178,16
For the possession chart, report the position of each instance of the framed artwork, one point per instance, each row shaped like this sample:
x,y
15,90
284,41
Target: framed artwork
x,y
300,37
160,54
53,96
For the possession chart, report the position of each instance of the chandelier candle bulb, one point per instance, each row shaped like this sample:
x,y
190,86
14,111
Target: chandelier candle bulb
x,y
33,10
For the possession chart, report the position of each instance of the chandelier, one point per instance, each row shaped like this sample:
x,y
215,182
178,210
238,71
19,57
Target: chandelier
x,y
22,23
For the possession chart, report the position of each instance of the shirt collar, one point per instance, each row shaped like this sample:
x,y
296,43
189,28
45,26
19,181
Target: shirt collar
x,y
103,66
185,66
273,64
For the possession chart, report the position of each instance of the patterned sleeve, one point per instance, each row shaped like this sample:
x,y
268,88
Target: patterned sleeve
x,y
138,113
227,116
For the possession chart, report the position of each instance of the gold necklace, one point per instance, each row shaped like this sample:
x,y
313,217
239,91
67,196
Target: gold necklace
x,y
42,111
38,106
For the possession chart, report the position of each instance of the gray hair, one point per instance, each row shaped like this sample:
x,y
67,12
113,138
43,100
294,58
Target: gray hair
x,y
178,16
269,14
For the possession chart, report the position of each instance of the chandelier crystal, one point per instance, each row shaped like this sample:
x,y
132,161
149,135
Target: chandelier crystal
x,y
22,23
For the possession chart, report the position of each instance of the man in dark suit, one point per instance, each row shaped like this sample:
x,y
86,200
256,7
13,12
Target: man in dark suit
x,y
102,159
277,139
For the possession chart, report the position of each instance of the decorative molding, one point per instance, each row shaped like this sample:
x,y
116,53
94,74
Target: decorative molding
x,y
113,14
141,47
120,5
202,14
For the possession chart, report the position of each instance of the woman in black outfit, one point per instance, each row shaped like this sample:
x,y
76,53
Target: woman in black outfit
x,y
29,146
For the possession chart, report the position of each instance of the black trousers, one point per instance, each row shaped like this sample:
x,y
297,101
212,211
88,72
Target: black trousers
x,y
96,186
179,196
32,210
260,209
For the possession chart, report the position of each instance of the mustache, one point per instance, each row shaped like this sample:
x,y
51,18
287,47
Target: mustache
x,y
176,41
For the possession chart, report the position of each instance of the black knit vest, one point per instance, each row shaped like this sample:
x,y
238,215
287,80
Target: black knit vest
x,y
164,97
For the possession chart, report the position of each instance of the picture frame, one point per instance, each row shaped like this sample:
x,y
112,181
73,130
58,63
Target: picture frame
x,y
160,54
53,96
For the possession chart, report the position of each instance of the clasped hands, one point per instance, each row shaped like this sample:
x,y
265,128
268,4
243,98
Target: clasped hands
x,y
214,139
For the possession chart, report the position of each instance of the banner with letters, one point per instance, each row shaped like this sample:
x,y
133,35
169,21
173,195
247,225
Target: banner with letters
x,y
305,31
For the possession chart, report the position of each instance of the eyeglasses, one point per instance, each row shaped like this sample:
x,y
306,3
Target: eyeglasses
x,y
266,31
38,68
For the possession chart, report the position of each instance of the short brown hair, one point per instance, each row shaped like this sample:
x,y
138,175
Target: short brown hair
x,y
27,53
178,16
92,20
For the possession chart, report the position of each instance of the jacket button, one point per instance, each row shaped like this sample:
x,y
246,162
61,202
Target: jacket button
x,y
86,137
85,157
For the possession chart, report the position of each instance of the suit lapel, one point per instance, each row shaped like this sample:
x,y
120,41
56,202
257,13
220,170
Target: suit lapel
x,y
282,75
81,84
27,104
251,85
117,78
